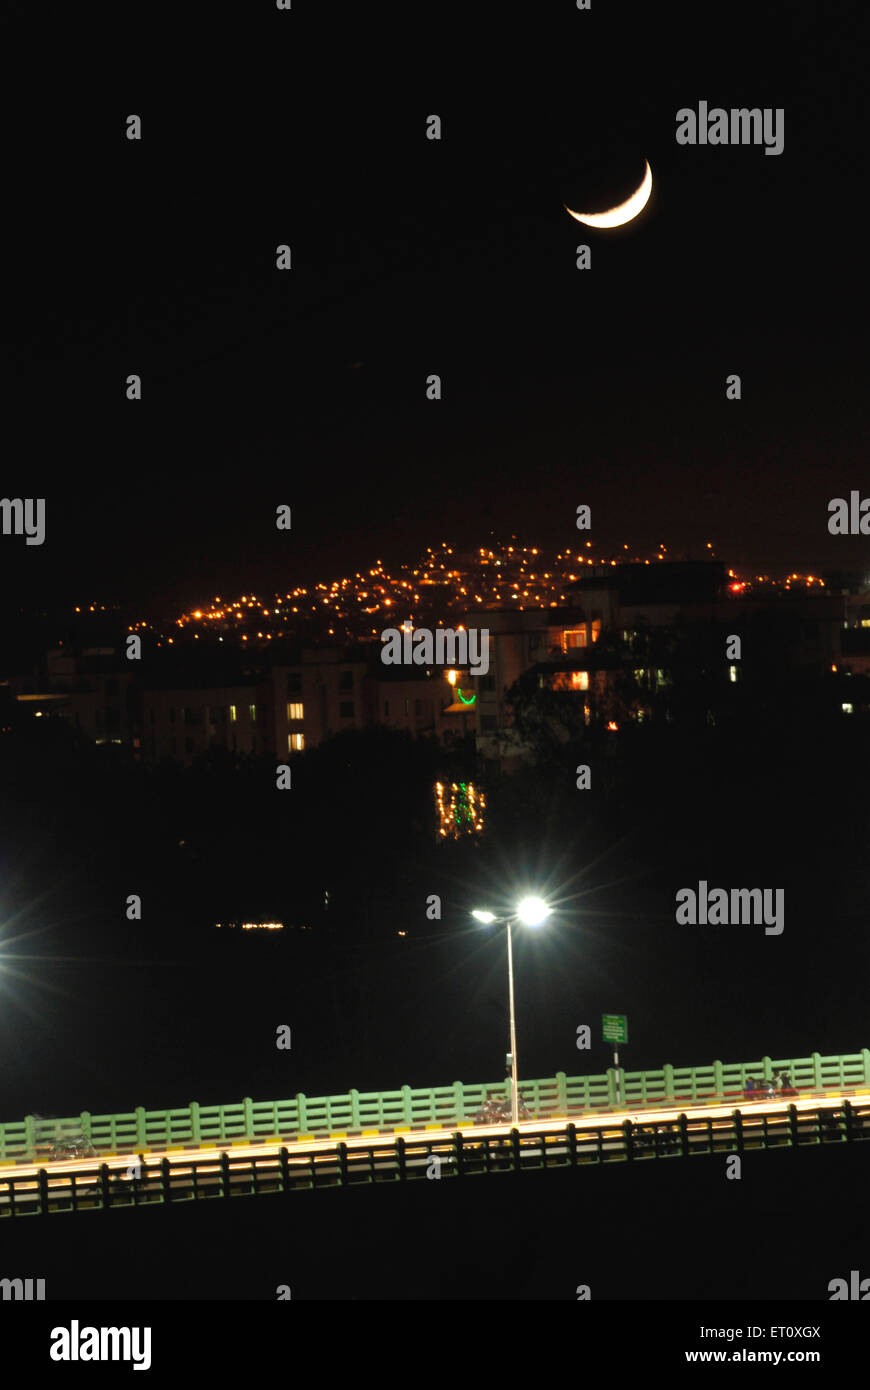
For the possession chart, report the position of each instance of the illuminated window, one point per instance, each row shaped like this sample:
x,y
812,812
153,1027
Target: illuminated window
x,y
732,673
252,711
295,742
579,680
294,711
234,714
573,637
596,629
848,709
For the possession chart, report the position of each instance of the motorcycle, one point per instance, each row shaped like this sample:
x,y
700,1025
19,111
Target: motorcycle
x,y
499,1112
59,1149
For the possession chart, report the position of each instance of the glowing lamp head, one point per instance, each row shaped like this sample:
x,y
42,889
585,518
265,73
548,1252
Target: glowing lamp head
x,y
451,676
533,911
483,916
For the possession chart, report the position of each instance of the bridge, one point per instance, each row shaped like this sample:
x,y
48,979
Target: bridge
x,y
256,1147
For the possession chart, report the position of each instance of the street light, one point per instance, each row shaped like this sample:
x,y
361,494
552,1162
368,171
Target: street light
x,y
531,912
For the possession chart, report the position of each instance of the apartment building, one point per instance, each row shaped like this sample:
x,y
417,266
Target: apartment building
x,y
181,723
184,702
89,691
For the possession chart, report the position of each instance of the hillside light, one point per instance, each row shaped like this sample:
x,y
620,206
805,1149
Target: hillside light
x,y
532,912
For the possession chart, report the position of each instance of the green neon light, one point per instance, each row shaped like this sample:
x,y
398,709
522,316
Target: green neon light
x,y
463,699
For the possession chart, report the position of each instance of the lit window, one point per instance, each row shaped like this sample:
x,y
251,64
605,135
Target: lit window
x,y
573,637
234,714
848,709
579,680
294,711
252,711
732,673
295,742
596,629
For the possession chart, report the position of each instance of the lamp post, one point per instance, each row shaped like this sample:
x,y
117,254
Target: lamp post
x,y
531,912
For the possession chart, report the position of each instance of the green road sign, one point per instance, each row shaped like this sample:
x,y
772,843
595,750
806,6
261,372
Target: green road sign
x,y
614,1028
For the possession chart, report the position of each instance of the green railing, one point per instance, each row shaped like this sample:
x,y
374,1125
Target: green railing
x,y
172,1178
142,1130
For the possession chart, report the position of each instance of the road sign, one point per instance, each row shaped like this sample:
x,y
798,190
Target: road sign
x,y
614,1028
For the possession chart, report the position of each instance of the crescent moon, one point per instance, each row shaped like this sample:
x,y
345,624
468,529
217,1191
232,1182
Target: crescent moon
x,y
615,217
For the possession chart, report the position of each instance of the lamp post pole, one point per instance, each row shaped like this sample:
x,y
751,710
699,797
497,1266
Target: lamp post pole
x,y
532,912
515,1108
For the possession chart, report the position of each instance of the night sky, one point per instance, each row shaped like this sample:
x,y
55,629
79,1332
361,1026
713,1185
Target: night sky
x,y
307,388
456,256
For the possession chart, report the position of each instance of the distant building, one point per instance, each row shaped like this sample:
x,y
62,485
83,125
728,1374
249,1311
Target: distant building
x,y
89,691
183,723
183,702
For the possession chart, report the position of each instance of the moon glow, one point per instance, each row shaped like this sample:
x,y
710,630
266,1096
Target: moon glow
x,y
624,212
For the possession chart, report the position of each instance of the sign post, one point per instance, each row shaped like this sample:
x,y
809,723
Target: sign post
x,y
614,1028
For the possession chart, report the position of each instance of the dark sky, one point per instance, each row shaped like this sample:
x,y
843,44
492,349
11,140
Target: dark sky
x,y
412,256
560,387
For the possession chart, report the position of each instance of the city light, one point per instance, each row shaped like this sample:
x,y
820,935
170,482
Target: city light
x,y
445,584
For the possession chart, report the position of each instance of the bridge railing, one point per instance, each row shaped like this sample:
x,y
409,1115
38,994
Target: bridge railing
x,y
195,1124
